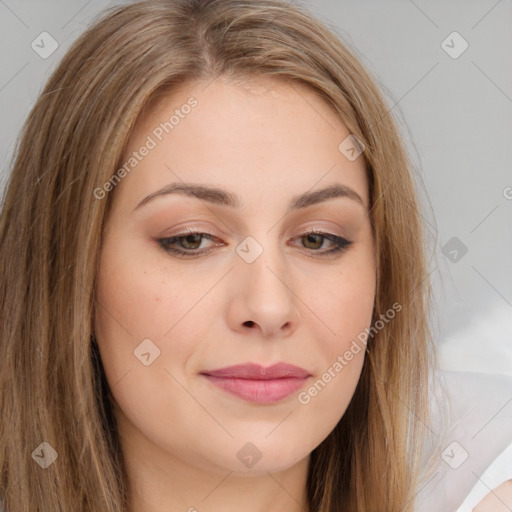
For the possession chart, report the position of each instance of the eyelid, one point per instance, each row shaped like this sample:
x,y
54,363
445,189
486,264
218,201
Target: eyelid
x,y
193,229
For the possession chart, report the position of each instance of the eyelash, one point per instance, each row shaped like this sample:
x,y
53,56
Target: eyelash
x,y
341,244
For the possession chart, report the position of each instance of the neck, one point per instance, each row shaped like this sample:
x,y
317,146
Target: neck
x,y
163,482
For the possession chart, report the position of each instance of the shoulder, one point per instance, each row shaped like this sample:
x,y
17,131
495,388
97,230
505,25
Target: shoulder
x,y
498,500
493,489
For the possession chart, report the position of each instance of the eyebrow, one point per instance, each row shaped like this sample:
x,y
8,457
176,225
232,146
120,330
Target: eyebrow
x,y
223,197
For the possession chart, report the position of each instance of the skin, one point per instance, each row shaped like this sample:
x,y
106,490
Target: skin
x,y
499,500
267,142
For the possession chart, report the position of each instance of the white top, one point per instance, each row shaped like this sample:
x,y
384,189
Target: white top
x,y
498,472
470,443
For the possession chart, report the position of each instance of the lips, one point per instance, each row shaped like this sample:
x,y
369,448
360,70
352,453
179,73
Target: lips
x,y
257,372
255,383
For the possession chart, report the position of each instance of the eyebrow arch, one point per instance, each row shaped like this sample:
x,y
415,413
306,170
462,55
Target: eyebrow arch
x,y
223,197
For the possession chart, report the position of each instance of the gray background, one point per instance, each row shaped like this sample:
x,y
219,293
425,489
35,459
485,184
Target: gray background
x,y
455,113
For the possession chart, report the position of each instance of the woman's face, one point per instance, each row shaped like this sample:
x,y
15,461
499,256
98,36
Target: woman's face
x,y
254,289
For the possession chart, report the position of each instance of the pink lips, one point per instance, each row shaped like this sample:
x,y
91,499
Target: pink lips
x,y
258,384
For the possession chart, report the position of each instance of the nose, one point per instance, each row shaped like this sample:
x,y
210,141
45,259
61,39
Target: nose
x,y
262,296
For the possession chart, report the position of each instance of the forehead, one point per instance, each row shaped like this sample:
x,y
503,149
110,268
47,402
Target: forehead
x,y
260,137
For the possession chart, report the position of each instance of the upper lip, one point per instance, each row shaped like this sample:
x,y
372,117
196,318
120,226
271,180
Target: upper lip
x,y
258,372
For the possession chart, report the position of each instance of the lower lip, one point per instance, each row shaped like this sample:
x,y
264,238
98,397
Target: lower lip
x,y
259,391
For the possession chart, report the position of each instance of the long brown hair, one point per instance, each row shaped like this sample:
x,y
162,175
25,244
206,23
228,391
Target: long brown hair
x,y
54,390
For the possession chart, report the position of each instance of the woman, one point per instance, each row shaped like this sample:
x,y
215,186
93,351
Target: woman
x,y
216,293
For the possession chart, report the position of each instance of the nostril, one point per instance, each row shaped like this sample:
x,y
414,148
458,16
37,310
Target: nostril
x,y
249,323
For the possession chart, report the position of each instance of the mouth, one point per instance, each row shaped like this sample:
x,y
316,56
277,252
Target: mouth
x,y
257,384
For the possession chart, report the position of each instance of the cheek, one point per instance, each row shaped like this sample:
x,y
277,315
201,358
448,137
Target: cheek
x,y
343,300
349,304
346,309
134,298
344,304
132,305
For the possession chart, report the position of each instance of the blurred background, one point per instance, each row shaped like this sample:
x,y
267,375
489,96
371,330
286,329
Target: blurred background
x,y
445,69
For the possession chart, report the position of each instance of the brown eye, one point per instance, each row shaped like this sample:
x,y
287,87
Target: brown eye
x,y
192,241
188,244
313,240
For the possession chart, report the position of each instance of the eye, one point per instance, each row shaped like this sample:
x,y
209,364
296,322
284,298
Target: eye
x,y
314,240
188,244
